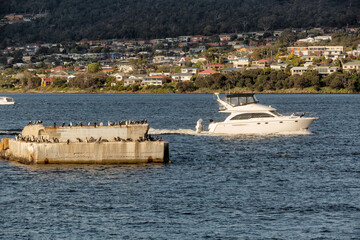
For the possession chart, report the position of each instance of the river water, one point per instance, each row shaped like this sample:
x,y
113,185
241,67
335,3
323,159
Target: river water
x,y
257,187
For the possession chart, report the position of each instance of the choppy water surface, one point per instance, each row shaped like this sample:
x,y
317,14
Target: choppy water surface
x,y
274,187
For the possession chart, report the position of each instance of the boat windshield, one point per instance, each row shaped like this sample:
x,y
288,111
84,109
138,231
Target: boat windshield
x,y
251,115
240,99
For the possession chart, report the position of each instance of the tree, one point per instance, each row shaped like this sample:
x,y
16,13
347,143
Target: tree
x,y
299,81
93,67
187,86
60,82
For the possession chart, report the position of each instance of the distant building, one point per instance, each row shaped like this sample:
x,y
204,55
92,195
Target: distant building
x,y
241,63
181,77
263,63
47,81
155,80
214,66
207,72
317,51
354,65
324,70
134,80
280,66
227,70
298,70
190,70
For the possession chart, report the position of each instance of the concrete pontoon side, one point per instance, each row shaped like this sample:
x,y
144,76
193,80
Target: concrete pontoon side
x,y
80,152
108,145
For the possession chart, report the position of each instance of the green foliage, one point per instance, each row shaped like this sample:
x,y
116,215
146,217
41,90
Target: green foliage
x,y
187,86
287,38
93,67
108,19
60,82
88,80
260,80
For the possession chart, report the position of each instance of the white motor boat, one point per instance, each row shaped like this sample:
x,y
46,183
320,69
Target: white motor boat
x,y
247,116
6,101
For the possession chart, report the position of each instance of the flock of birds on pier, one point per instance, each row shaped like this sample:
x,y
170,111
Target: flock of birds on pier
x,y
95,124
43,139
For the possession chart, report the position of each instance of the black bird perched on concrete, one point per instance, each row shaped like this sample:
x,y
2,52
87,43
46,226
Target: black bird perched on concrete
x,y
68,141
79,139
63,124
54,124
80,124
94,124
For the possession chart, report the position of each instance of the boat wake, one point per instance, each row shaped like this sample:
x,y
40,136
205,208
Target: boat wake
x,y
10,132
172,131
206,133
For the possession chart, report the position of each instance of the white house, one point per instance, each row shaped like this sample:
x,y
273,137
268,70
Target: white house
x,y
241,63
324,70
181,77
156,80
280,66
189,70
118,76
134,79
354,65
298,70
125,68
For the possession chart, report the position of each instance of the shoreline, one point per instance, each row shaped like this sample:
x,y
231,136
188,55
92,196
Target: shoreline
x,y
169,91
195,92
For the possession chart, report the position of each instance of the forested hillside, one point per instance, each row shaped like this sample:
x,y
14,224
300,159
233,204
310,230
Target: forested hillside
x,y
106,19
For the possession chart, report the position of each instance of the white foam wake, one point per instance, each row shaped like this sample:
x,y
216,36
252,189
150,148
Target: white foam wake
x,y
172,131
193,132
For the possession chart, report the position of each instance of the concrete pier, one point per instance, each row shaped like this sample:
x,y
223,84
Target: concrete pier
x,y
73,145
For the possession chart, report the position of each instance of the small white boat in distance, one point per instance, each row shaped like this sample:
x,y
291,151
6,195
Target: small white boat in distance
x,y
6,101
247,116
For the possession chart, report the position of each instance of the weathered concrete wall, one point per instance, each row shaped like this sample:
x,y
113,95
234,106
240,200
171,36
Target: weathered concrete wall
x,y
81,152
133,131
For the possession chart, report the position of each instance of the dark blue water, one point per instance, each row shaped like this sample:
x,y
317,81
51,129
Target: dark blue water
x,y
278,187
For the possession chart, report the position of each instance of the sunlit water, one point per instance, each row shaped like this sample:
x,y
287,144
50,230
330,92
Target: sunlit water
x,y
217,187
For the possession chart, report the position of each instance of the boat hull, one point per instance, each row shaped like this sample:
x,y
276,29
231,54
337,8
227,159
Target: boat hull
x,y
7,103
268,126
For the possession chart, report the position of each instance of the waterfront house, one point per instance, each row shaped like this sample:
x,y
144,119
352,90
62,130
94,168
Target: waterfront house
x,y
47,81
155,80
118,76
134,79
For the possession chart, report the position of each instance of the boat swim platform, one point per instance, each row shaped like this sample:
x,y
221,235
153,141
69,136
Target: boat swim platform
x,y
128,143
